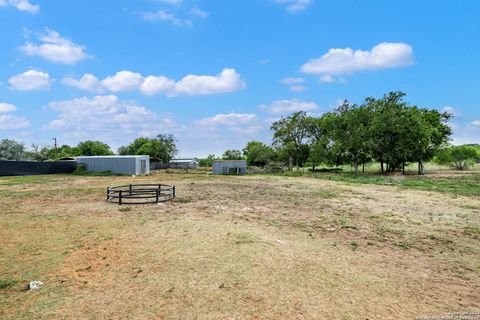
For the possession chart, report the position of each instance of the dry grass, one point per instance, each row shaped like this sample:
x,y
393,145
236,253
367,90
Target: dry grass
x,y
257,247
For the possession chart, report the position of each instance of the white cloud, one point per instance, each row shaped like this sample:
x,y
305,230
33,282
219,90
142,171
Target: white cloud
x,y
450,110
30,80
294,83
347,61
123,81
227,81
294,6
229,119
153,85
162,15
476,123
7,107
238,123
289,106
88,82
108,118
292,80
10,122
56,49
196,11
298,88
22,5
326,78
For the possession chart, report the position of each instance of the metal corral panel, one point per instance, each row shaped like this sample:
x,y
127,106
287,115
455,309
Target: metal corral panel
x,y
229,167
136,165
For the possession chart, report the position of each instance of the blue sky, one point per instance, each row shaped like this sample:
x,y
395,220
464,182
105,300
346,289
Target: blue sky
x,y
217,73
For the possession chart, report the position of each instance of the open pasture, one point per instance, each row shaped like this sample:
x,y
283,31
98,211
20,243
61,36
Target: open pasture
x,y
253,247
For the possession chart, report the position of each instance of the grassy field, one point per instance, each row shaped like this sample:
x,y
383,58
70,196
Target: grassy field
x,y
256,247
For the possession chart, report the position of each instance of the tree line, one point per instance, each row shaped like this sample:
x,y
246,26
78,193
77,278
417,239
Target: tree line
x,y
387,130
162,147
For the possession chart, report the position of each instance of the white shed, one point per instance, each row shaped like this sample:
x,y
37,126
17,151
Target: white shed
x,y
135,165
229,167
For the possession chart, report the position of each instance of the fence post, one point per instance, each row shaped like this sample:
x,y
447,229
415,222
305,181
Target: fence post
x,y
158,193
130,189
120,198
173,192
108,193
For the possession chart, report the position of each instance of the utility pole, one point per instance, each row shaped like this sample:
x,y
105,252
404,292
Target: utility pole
x,y
55,144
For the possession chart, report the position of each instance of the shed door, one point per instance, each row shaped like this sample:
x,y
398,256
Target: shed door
x,y
143,166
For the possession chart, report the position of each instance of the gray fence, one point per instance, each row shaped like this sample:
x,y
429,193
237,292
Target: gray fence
x,y
29,168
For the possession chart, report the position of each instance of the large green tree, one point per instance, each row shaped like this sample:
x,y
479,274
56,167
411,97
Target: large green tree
x,y
232,154
290,134
93,148
258,153
11,150
349,133
162,147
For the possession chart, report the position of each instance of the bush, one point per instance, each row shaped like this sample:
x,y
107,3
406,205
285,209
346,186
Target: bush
x,y
458,157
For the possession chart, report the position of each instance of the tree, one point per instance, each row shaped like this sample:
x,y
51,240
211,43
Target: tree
x,y
349,133
11,150
93,148
162,147
258,153
208,161
39,153
459,157
232,155
290,134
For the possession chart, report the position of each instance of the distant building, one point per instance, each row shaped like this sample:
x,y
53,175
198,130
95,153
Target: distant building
x,y
229,167
135,165
187,163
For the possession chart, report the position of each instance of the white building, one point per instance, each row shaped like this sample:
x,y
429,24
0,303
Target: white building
x,y
187,163
229,167
135,165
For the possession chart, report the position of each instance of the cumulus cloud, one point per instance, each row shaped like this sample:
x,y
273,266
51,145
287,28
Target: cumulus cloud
x,y
227,81
11,122
228,119
291,80
347,61
123,81
162,15
56,49
476,123
88,82
196,11
450,110
288,106
240,123
108,117
294,6
22,5
30,80
7,107
295,84
8,121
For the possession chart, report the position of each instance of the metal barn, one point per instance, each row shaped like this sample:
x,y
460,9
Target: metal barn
x,y
229,167
189,163
135,165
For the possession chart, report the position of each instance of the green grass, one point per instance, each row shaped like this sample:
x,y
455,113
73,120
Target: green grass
x,y
468,185
38,179
7,283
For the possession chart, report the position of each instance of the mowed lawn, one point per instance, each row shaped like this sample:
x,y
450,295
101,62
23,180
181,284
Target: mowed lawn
x,y
253,247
